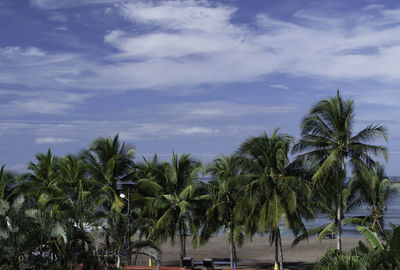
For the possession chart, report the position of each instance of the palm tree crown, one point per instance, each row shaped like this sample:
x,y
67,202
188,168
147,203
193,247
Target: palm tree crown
x,y
274,190
327,138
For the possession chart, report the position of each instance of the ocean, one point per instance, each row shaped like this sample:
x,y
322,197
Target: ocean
x,y
392,215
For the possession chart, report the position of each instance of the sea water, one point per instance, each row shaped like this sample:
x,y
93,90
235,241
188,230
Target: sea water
x,y
391,216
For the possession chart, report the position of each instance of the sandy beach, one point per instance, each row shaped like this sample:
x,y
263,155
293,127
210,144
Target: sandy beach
x,y
258,253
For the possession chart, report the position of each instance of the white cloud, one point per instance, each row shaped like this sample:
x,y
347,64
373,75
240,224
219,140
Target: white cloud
x,y
41,106
223,109
187,43
59,4
52,140
18,51
279,86
196,130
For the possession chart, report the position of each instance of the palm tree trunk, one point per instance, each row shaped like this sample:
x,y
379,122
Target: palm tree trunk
x,y
280,255
129,229
234,253
182,241
339,214
231,255
276,249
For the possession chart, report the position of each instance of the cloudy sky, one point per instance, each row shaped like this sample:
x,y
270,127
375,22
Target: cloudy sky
x,y
189,76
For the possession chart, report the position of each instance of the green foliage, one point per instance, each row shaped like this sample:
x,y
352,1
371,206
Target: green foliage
x,y
226,190
276,190
378,256
328,140
175,198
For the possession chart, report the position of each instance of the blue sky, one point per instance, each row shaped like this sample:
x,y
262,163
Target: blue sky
x,y
189,76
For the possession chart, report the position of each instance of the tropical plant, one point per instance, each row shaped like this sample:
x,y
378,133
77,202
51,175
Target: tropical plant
x,y
226,190
6,178
29,235
42,182
324,201
174,200
378,256
109,162
14,232
80,207
115,234
327,138
275,192
377,191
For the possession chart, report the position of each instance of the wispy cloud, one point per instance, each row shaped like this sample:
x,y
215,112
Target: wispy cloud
x,y
52,140
16,51
223,109
59,4
279,86
189,43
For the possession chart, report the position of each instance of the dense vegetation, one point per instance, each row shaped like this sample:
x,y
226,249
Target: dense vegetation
x,y
93,206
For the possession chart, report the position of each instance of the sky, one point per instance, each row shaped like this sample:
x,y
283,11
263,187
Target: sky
x,y
195,77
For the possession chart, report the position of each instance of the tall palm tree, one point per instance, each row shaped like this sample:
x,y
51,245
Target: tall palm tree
x,y
376,190
226,190
175,194
109,162
275,191
327,138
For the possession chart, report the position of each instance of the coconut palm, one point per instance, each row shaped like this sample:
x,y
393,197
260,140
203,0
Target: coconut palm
x,y
81,204
6,178
109,162
275,192
327,137
175,193
42,182
226,190
325,202
377,191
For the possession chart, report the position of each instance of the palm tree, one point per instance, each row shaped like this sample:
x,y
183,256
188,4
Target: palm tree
x,y
275,191
174,195
6,178
327,137
324,201
377,191
81,204
43,181
226,190
109,162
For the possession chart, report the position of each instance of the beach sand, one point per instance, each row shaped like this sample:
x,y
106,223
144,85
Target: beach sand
x,y
258,253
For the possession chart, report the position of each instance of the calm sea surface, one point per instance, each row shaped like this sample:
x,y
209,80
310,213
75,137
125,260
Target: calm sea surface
x,y
392,215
